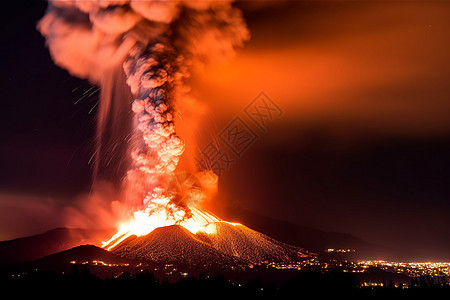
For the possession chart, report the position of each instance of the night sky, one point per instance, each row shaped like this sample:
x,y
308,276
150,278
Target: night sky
x,y
361,145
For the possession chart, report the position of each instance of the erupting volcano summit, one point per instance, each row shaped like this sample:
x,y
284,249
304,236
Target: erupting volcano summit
x,y
145,222
214,243
155,44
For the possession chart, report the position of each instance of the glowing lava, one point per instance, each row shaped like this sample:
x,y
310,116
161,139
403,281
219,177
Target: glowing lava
x,y
162,213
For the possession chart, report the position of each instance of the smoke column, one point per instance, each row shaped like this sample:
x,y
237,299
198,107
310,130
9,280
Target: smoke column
x,y
152,46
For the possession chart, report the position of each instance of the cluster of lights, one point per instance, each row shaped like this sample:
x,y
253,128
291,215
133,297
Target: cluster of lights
x,y
411,268
329,250
296,265
372,284
98,263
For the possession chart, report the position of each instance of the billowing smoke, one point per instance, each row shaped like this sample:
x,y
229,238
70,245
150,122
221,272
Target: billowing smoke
x,y
156,44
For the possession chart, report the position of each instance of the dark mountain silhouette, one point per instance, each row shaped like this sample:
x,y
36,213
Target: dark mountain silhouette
x,y
235,242
79,255
36,246
84,259
313,239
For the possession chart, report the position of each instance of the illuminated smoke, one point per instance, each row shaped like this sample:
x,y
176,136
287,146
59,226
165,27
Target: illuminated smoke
x,y
155,44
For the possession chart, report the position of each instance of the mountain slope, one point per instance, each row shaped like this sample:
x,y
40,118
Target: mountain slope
x,y
228,245
80,254
34,247
173,244
235,242
250,245
312,239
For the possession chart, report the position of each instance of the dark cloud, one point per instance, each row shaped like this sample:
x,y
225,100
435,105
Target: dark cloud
x,y
383,66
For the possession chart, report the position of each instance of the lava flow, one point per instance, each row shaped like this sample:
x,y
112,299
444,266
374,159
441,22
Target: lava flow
x,y
163,214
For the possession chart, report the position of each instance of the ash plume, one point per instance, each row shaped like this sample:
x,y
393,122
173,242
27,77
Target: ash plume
x,y
156,44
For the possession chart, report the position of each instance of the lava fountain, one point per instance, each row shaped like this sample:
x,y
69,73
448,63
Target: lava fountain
x,y
156,44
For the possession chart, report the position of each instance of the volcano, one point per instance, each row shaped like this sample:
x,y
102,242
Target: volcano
x,y
226,244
